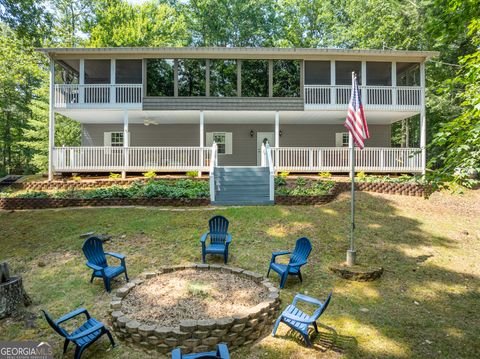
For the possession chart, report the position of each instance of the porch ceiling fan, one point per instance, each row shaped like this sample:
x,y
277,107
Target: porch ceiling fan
x,y
148,122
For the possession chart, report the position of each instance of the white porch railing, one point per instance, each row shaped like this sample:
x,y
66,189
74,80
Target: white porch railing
x,y
373,97
336,159
75,95
267,161
213,164
133,159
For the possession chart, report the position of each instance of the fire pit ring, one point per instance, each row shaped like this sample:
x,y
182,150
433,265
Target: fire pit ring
x,y
196,335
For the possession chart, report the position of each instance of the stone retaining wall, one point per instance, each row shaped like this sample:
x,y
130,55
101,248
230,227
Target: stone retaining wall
x,y
197,335
41,203
406,189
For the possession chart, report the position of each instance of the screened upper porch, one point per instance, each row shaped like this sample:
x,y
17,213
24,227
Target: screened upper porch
x,y
235,84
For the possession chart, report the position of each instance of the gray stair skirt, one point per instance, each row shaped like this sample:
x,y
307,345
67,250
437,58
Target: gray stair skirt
x,y
242,186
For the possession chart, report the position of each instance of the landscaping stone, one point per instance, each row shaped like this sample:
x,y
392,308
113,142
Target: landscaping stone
x,y
224,322
201,334
116,304
146,330
132,326
162,332
188,325
207,324
237,328
203,266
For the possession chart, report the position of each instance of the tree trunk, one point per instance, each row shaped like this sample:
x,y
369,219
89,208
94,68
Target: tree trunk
x,y
12,293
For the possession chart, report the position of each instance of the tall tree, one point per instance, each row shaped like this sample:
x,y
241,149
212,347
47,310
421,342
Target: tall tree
x,y
28,18
230,22
19,75
118,23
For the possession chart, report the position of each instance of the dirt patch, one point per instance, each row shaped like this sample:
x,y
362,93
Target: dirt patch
x,y
191,294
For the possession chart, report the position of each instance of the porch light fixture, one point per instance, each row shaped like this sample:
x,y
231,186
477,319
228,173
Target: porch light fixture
x,y
251,133
280,133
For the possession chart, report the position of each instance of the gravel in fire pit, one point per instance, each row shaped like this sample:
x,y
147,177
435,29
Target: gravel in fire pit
x,y
168,298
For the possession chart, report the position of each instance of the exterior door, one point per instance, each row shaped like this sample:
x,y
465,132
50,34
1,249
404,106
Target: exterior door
x,y
263,137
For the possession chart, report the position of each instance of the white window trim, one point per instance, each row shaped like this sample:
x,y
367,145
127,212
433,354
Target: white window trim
x,y
341,139
108,136
228,141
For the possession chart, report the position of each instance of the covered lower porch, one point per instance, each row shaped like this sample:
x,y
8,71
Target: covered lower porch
x,y
181,141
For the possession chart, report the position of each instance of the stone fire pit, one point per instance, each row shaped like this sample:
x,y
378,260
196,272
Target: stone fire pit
x,y
194,307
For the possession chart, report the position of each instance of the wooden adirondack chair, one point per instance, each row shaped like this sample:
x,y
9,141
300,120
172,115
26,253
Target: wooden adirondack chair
x,y
300,321
220,353
298,258
84,335
219,238
96,260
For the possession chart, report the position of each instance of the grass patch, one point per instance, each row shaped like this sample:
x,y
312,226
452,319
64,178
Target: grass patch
x,y
424,306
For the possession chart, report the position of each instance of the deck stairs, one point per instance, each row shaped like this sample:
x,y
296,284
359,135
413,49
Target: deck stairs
x,y
249,185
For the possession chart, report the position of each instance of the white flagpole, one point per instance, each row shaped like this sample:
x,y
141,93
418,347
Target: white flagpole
x,y
351,253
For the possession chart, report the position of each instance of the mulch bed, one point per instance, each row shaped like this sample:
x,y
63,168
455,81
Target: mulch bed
x,y
168,298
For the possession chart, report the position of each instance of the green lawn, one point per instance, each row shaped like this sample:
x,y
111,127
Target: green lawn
x,y
425,305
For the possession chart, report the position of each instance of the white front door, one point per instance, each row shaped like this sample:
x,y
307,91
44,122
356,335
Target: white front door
x,y
263,137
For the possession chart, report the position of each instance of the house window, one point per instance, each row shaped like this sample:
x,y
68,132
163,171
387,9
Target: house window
x,y
219,138
223,141
341,139
116,139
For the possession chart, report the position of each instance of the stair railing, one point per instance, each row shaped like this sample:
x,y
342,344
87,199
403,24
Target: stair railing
x,y
213,164
269,164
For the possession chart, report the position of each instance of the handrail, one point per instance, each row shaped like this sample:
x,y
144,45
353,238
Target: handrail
x,y
269,164
213,164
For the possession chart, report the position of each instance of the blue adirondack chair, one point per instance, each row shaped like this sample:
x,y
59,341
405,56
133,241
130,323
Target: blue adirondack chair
x,y
220,353
96,260
84,335
219,238
298,258
300,321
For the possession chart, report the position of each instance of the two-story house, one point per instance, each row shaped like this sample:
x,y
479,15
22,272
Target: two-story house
x,y
161,109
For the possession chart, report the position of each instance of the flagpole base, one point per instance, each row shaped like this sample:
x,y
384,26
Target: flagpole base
x,y
351,257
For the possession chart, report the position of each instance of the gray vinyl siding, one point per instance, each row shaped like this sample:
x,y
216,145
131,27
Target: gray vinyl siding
x,y
244,151
224,103
141,135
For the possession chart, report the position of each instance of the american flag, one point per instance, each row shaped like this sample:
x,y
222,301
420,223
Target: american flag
x,y
356,122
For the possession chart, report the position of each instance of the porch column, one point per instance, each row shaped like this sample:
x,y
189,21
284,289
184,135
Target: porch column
x,y
202,141
277,135
51,121
81,82
113,94
126,142
333,91
394,83
423,119
364,83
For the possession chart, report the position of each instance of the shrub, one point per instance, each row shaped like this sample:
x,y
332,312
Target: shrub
x,y
280,181
301,182
284,174
115,175
361,176
325,174
314,188
153,189
32,194
192,174
76,178
149,174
